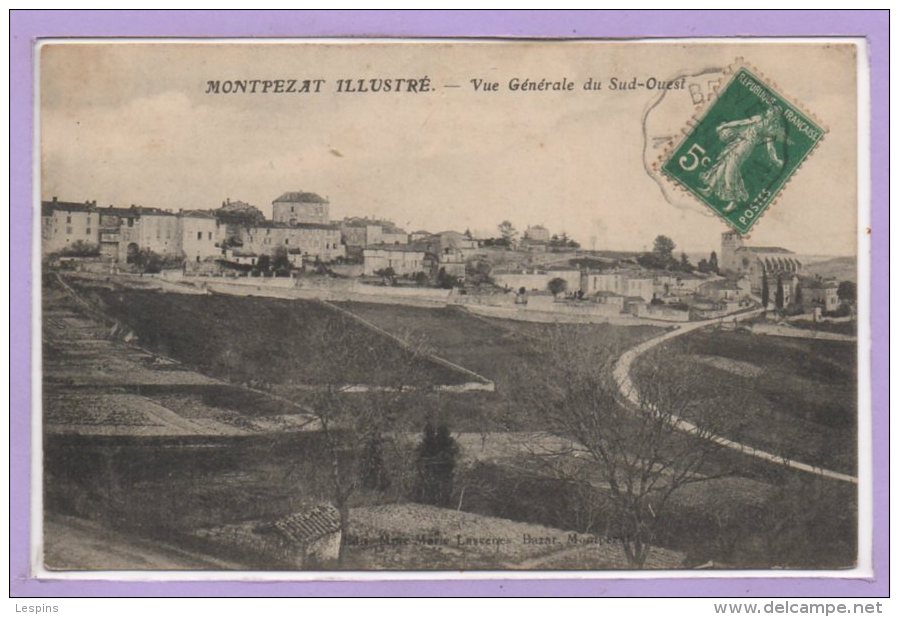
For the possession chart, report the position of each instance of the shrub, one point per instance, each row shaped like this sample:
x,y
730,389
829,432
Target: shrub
x,y
436,461
80,248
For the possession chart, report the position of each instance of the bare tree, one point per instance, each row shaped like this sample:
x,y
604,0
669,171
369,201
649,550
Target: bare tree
x,y
366,386
638,455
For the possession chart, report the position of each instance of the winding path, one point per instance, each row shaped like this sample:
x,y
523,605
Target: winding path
x,y
622,375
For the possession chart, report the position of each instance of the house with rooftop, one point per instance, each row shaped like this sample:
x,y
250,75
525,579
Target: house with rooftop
x,y
404,259
63,223
310,241
537,233
301,207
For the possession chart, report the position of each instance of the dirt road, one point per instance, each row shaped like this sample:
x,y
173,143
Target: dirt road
x,y
622,377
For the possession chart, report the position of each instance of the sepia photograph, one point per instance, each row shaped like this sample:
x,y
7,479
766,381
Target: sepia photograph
x,y
402,306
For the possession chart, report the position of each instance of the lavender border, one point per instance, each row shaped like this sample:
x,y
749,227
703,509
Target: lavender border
x,y
26,26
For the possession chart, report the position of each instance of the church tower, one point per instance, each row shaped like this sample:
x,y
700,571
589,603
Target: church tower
x,y
730,242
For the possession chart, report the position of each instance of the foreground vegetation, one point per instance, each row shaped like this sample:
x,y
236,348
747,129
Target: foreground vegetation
x,y
753,515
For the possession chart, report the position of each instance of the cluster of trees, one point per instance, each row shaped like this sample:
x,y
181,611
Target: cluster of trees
x,y
445,280
508,236
478,272
594,438
563,241
277,264
846,292
239,213
148,261
364,432
662,258
709,266
621,458
389,276
80,248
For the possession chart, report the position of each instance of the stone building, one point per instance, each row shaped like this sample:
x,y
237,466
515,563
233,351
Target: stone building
x,y
754,261
537,233
200,236
309,240
820,293
628,283
300,207
312,536
404,259
64,223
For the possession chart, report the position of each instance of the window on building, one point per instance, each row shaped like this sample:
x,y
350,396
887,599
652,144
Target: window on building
x,y
87,231
68,229
68,218
286,240
199,235
210,235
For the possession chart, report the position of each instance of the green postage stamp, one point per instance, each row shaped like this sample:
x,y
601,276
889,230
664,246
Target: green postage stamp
x,y
743,150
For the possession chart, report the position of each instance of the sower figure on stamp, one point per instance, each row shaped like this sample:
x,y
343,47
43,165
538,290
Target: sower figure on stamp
x,y
724,179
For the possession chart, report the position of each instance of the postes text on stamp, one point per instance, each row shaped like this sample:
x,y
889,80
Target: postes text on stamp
x,y
743,150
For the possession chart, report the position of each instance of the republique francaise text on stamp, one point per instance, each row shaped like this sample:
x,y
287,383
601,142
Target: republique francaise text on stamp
x,y
740,154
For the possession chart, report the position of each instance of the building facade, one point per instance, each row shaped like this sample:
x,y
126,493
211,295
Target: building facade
x,y
64,223
200,236
754,261
160,232
362,232
404,259
537,233
309,241
300,207
821,293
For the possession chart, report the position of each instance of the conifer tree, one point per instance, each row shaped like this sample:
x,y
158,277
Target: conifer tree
x,y
779,294
436,460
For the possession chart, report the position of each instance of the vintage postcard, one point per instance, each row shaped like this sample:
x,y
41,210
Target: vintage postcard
x,y
469,306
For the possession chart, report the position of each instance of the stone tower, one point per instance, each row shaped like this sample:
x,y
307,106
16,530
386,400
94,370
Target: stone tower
x,y
730,242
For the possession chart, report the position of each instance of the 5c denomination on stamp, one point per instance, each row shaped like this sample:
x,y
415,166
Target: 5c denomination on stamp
x,y
743,150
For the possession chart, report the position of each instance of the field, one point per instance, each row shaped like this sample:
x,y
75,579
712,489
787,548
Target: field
x,y
249,339
95,384
495,348
795,397
160,448
491,347
845,327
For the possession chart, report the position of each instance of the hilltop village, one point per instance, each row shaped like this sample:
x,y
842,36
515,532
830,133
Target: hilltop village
x,y
532,272
224,389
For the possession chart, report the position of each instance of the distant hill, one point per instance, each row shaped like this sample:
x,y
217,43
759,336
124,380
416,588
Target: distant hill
x,y
840,268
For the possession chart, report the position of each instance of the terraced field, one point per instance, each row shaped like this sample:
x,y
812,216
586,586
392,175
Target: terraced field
x,y
491,347
249,339
795,397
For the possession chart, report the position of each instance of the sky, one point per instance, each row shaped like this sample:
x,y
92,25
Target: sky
x,y
131,123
